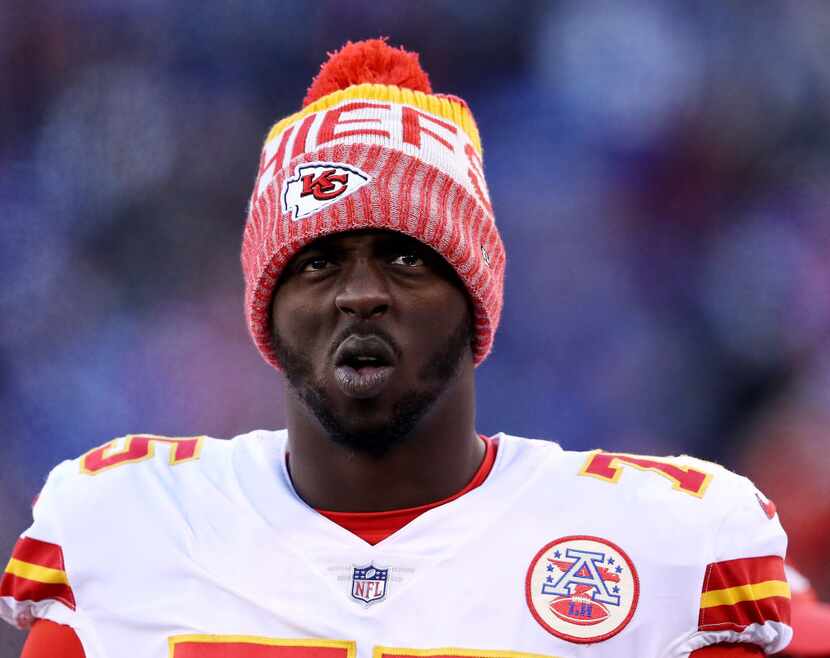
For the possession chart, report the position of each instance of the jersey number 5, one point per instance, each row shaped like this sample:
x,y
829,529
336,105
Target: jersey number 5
x,y
609,466
137,448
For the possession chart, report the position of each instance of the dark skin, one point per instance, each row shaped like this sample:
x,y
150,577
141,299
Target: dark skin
x,y
411,440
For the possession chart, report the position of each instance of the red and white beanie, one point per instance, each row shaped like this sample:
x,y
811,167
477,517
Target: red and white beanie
x,y
373,147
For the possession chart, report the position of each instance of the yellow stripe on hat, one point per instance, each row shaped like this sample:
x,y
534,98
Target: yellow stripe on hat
x,y
442,107
755,592
37,573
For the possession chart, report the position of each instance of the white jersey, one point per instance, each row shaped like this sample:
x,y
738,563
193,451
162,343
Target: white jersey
x,y
198,548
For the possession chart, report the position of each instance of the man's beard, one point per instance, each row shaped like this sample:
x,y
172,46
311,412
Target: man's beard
x,y
377,441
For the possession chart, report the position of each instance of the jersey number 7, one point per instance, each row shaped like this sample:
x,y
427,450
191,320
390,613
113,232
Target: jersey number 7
x,y
608,466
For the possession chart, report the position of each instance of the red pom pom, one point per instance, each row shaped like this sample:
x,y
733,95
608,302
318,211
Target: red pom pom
x,y
372,60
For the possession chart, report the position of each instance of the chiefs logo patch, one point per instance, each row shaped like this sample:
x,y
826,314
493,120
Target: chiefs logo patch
x,y
582,589
319,184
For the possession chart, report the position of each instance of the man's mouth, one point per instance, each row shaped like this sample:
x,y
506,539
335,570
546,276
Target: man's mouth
x,y
363,365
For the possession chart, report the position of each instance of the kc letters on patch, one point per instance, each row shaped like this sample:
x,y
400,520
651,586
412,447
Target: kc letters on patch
x,y
319,184
582,589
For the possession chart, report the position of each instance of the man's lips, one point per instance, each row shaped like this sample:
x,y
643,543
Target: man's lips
x,y
371,350
363,365
364,383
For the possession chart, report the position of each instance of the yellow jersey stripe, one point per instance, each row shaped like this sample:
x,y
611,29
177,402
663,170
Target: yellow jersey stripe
x,y
37,573
754,592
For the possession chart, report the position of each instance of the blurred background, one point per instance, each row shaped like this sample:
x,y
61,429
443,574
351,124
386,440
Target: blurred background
x,y
659,172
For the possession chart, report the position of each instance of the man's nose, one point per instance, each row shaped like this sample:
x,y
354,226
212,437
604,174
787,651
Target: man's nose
x,y
364,291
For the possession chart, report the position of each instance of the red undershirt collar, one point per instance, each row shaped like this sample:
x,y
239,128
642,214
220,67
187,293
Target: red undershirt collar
x,y
373,527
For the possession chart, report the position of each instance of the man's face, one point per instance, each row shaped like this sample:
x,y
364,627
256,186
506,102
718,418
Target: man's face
x,y
371,328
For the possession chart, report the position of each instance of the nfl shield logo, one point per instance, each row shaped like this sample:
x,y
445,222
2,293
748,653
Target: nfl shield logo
x,y
369,584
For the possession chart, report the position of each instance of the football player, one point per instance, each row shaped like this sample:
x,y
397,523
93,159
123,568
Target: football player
x,y
380,523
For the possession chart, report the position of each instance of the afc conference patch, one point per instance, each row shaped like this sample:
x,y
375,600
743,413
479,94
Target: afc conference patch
x,y
369,584
582,589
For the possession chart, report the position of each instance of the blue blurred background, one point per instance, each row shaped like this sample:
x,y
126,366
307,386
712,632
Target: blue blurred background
x,y
659,173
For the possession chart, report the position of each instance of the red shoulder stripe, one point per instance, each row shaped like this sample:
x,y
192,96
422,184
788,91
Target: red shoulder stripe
x,y
740,615
23,589
38,552
737,593
732,573
36,572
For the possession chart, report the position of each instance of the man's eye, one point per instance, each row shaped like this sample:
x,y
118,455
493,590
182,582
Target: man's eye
x,y
410,260
314,264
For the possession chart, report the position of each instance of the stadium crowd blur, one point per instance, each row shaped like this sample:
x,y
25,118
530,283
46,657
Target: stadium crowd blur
x,y
660,174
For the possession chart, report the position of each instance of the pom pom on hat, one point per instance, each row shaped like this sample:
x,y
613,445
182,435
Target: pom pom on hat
x,y
373,61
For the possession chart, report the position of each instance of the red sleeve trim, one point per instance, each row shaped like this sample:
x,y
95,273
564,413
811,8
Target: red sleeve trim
x,y
41,553
737,593
36,572
23,589
733,573
740,615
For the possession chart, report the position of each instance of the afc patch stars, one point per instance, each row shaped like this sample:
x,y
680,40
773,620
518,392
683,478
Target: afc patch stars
x,y
582,589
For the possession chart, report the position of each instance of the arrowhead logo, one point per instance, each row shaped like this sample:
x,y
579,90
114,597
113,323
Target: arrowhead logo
x,y
319,184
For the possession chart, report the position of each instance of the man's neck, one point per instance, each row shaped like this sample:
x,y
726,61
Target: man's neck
x,y
438,459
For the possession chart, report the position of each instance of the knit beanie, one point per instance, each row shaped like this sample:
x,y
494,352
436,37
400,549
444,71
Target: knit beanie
x,y
373,148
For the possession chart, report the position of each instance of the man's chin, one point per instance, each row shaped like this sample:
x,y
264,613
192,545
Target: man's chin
x,y
370,426
375,444
366,437
376,416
